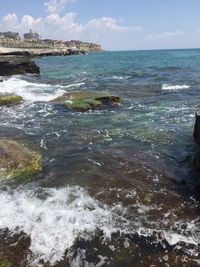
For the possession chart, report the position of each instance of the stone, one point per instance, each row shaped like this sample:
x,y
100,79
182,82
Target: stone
x,y
86,100
10,100
17,64
18,161
83,104
197,127
196,161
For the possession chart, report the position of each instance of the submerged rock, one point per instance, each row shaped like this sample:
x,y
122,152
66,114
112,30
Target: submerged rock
x,y
197,127
83,101
10,99
83,104
18,161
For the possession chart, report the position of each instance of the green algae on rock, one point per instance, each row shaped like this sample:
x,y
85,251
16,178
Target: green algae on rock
x,y
17,161
10,100
83,104
87,100
5,263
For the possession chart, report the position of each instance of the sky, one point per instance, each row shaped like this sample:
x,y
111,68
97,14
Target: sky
x,y
115,24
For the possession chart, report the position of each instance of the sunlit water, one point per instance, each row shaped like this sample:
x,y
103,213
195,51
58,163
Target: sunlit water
x,y
118,185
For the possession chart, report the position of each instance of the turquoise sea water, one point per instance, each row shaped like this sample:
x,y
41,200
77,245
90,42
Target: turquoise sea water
x,y
118,185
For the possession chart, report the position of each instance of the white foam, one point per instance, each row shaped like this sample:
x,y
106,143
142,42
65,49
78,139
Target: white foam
x,y
175,87
33,91
55,220
120,77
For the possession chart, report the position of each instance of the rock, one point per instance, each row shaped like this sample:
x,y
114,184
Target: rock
x,y
168,259
5,263
83,104
109,100
17,64
18,161
83,101
197,127
10,99
196,161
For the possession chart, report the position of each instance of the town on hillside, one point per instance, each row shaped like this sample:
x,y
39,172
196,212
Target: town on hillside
x,y
33,40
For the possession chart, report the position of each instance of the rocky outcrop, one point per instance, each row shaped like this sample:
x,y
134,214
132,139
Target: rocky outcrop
x,y
18,161
40,52
197,127
17,64
84,101
10,100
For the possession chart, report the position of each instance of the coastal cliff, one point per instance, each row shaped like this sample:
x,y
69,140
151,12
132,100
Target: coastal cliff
x,y
47,47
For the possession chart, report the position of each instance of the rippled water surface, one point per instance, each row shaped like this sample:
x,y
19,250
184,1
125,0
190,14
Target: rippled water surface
x,y
119,184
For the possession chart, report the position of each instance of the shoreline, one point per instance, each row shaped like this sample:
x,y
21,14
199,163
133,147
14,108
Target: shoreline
x,y
20,61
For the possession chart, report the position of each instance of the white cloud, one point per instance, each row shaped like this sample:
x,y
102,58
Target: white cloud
x,y
164,35
9,21
65,27
55,6
111,24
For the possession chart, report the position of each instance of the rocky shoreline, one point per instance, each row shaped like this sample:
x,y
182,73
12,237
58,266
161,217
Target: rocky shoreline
x,y
12,63
17,64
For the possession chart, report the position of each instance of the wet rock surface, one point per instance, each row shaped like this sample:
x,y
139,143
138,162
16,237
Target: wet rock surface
x,y
84,101
17,161
10,100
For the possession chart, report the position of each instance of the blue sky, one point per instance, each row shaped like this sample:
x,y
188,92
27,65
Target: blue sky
x,y
116,24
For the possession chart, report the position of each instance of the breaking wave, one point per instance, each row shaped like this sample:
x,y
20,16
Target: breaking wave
x,y
34,91
174,87
56,218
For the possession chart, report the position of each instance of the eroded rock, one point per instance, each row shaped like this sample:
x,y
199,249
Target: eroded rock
x,y
17,64
17,160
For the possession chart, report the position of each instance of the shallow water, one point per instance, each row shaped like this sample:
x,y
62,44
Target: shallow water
x,y
118,185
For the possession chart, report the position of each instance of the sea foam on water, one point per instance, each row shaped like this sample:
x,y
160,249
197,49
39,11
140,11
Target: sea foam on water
x,y
175,87
31,91
54,218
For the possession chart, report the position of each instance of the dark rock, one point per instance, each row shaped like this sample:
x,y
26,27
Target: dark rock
x,y
197,127
16,53
12,64
109,100
196,161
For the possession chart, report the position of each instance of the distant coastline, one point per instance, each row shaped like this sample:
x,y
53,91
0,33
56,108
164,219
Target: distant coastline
x,y
10,42
16,53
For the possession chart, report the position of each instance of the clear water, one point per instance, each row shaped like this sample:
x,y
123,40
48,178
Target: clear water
x,y
118,186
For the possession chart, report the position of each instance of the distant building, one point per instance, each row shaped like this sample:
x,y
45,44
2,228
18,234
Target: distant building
x,y
31,36
11,35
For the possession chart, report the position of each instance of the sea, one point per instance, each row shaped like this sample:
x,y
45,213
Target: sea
x,y
119,185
